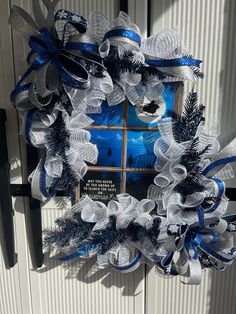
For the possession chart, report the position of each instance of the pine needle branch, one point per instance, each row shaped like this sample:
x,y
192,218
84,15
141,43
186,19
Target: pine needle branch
x,y
186,124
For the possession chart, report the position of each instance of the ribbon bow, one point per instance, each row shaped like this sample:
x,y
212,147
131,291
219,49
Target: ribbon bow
x,y
67,64
48,56
195,239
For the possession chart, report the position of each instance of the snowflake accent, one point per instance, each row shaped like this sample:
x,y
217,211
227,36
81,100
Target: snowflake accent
x,y
205,261
173,229
231,251
62,14
64,99
231,227
93,69
76,18
168,269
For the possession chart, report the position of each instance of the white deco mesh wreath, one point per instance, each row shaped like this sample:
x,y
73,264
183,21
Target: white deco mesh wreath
x,y
182,226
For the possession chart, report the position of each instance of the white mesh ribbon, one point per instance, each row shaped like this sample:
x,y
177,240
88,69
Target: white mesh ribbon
x,y
124,257
167,60
121,35
167,44
126,209
78,149
81,150
169,153
100,81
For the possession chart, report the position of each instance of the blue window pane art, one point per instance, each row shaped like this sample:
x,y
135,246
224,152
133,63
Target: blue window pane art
x,y
137,183
140,149
109,144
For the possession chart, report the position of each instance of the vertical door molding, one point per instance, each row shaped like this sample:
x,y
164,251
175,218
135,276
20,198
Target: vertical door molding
x,y
138,12
14,299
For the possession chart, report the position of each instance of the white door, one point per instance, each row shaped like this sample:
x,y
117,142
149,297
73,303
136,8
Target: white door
x,y
208,27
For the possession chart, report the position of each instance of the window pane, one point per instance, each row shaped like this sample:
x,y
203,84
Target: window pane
x,y
137,183
140,149
109,144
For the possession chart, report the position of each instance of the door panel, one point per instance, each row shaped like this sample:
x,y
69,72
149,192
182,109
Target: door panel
x,y
52,289
208,29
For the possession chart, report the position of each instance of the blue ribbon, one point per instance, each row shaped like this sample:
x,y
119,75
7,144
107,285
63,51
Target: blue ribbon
x,y
79,22
78,253
47,51
165,262
174,62
200,213
220,183
89,248
221,189
194,240
230,218
132,264
127,33
222,258
19,88
82,46
217,163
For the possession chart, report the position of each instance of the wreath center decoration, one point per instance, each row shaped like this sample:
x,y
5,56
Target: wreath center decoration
x,y
74,64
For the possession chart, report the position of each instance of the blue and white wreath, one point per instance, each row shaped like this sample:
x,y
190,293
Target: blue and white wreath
x,y
182,226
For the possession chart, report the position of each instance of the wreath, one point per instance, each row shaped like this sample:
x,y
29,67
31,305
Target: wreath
x,y
74,64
